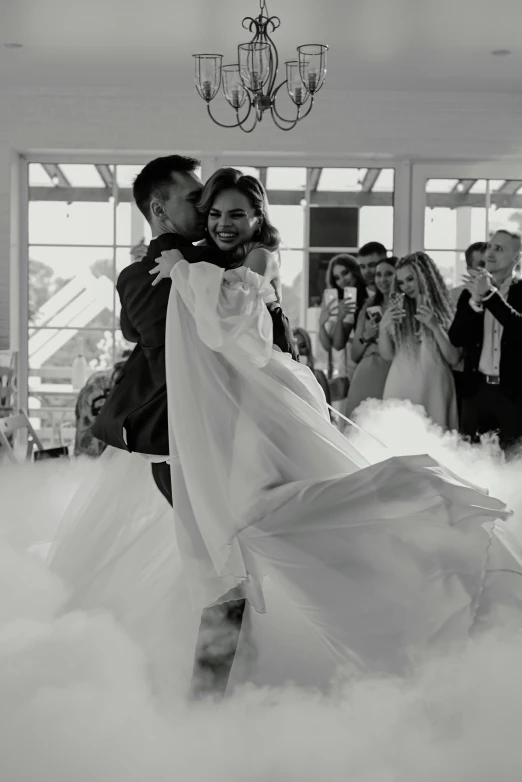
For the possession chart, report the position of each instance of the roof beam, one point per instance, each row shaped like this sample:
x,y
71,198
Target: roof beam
x,y
262,176
56,175
315,176
370,178
510,187
105,174
463,186
451,200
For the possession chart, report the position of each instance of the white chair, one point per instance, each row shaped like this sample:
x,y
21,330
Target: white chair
x,y
9,427
7,383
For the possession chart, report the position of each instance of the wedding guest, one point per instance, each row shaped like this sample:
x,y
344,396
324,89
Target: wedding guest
x,y
475,259
90,401
306,356
368,257
413,335
372,370
336,325
488,326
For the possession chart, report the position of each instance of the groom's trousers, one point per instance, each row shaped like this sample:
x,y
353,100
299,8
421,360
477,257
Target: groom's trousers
x,y
219,629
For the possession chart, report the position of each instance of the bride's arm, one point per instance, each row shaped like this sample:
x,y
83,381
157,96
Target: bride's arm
x,y
228,307
264,263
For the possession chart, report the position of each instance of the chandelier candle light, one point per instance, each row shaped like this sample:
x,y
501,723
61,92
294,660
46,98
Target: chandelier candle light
x,y
249,85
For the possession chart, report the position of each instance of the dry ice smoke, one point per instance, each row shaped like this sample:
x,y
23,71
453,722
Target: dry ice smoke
x,y
75,700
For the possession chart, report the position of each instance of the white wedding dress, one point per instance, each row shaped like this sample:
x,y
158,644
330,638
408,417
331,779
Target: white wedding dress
x,y
343,562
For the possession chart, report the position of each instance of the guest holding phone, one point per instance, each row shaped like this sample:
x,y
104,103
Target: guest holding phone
x,y
306,356
413,335
342,301
372,370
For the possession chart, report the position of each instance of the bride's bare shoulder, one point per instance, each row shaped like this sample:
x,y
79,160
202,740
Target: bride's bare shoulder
x,y
259,259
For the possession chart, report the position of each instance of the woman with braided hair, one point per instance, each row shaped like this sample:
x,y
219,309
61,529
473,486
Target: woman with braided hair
x,y
414,337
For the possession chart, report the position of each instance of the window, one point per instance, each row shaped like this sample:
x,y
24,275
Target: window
x,y
462,211
321,212
82,226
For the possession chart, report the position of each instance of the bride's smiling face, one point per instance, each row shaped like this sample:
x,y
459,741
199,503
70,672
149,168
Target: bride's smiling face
x,y
232,220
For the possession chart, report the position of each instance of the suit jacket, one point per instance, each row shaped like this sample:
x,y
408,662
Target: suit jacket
x,y
138,402
467,332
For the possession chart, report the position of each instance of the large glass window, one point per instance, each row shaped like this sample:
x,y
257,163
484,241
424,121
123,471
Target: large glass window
x,y
82,226
321,212
466,210
348,208
286,187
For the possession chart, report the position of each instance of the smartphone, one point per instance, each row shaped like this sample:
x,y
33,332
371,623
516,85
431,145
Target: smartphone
x,y
60,452
350,293
397,300
374,314
330,296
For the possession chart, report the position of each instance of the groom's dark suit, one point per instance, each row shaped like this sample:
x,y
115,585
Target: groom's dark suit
x,y
134,416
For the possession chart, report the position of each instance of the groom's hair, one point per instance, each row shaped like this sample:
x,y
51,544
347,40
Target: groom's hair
x,y
156,177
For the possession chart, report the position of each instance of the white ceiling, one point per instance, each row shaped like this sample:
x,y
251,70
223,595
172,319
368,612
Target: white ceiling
x,y
374,44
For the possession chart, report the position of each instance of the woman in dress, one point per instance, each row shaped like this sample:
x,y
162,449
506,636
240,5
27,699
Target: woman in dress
x,y
413,335
372,370
306,356
382,562
336,326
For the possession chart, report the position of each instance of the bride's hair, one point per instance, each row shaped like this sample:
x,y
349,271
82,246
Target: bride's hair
x,y
231,179
435,293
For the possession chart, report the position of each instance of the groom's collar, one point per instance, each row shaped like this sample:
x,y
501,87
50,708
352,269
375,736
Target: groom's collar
x,y
167,241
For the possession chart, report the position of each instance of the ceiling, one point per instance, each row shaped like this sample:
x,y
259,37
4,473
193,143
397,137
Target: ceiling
x,y
374,44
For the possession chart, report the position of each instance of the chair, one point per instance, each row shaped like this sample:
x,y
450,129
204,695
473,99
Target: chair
x,y
7,383
9,426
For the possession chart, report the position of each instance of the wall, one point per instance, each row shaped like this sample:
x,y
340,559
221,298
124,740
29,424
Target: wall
x,y
398,125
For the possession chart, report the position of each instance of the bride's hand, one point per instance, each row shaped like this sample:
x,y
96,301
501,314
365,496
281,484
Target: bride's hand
x,y
165,263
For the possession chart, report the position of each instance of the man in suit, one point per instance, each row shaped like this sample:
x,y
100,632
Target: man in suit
x,y
475,259
134,417
488,326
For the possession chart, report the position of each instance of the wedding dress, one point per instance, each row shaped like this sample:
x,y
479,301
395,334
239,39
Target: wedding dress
x,y
343,562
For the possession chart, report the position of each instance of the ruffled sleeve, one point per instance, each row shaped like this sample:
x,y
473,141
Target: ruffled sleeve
x,y
228,308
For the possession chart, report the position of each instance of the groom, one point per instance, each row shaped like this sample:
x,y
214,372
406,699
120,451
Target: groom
x,y
134,418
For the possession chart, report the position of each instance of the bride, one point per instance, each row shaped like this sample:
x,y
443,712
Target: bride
x,y
368,566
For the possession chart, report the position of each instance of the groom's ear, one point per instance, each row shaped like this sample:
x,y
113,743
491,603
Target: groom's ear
x,y
156,208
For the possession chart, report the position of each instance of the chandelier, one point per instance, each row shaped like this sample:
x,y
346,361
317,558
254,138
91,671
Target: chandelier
x,y
249,85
